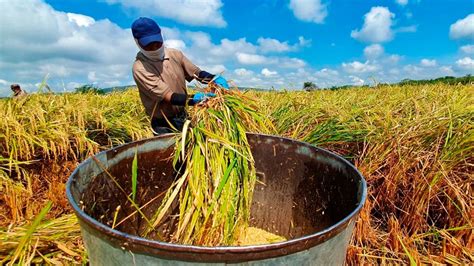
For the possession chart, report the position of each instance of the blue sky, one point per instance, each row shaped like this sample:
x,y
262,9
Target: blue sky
x,y
270,43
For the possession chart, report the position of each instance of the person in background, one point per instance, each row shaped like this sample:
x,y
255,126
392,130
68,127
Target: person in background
x,y
161,74
18,92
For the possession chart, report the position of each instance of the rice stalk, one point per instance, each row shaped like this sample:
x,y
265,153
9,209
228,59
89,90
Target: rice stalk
x,y
215,191
53,241
23,252
134,174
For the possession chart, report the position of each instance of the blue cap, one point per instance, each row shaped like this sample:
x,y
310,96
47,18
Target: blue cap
x,y
146,31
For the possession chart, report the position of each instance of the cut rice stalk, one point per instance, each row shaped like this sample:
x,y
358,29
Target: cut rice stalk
x,y
220,175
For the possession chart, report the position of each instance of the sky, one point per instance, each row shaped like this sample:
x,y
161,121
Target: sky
x,y
260,43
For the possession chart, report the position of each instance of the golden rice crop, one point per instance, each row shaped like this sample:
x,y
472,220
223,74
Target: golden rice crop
x,y
45,128
414,145
50,241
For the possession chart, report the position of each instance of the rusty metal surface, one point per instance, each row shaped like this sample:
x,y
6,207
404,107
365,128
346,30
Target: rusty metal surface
x,y
100,252
309,195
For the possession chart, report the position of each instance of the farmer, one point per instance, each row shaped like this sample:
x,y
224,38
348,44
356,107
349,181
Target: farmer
x,y
161,74
17,91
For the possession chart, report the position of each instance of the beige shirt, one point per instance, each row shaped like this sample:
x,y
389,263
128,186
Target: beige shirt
x,y
19,94
157,79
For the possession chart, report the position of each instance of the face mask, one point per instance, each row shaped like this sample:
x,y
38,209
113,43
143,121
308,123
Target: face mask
x,y
157,55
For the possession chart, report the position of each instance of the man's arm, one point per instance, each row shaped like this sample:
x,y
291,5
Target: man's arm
x,y
191,71
181,99
204,77
150,84
155,88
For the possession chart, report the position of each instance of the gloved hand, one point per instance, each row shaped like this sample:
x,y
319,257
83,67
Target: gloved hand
x,y
201,96
220,81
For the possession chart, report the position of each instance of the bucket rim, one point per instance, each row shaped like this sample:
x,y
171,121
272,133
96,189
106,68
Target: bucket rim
x,y
238,253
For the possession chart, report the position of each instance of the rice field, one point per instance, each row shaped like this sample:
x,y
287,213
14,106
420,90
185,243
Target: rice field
x,y
413,143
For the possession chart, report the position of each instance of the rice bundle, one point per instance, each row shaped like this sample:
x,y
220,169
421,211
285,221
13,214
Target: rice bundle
x,y
218,174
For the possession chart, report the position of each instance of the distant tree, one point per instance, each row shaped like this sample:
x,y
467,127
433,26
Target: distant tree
x,y
406,81
468,79
89,88
309,86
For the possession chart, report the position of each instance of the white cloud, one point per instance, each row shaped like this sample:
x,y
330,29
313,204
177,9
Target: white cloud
x,y
356,81
468,49
191,12
72,85
463,28
113,83
328,77
272,45
176,44
373,51
216,69
377,26
243,72
309,10
402,2
282,62
268,73
447,70
80,20
267,45
67,46
304,42
394,71
418,72
358,67
286,62
414,70
199,39
5,87
466,63
91,76
381,70
228,47
171,33
428,63
203,50
394,58
54,70
251,59
70,49
326,73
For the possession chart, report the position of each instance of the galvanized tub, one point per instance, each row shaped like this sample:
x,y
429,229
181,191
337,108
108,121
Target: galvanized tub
x,y
308,195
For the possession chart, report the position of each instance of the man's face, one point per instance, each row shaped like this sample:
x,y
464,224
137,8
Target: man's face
x,y
16,89
153,46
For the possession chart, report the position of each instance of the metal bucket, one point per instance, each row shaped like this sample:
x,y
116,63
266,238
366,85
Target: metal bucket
x,y
308,195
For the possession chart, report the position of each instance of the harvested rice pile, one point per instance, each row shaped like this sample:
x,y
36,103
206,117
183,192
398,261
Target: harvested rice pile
x,y
257,236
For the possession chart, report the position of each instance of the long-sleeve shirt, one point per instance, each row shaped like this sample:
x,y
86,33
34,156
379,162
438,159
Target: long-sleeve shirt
x,y
157,79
